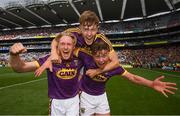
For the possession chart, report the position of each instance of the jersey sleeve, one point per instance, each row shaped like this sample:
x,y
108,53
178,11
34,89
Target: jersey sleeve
x,y
40,61
118,71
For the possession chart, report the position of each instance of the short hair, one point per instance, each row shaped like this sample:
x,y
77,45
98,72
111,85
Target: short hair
x,y
98,46
89,18
60,35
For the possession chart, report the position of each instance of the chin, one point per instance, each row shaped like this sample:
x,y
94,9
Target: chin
x,y
66,58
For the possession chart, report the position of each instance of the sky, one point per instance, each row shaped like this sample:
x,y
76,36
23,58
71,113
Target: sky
x,y
4,2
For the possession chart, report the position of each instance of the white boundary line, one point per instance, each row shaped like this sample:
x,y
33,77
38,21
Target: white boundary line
x,y
161,72
21,83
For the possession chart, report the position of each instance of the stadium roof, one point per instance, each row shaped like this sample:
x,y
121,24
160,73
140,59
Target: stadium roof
x,y
44,13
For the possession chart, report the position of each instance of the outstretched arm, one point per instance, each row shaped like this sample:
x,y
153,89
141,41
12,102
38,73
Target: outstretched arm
x,y
157,84
17,64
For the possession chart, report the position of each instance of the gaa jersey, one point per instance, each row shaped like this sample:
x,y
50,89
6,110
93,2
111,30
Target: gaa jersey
x,y
81,42
95,85
63,81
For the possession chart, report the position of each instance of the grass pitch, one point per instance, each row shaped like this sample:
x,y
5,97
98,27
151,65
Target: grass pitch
x,y
23,94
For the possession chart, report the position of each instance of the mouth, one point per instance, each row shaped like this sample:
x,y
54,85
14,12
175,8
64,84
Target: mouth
x,y
66,53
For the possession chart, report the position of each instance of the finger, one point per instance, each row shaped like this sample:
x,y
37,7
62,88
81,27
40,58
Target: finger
x,y
166,90
18,48
12,50
160,78
36,73
50,67
87,72
60,60
15,49
170,87
24,50
54,61
164,94
169,83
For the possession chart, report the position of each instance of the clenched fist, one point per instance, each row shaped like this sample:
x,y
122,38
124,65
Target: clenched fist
x,y
17,48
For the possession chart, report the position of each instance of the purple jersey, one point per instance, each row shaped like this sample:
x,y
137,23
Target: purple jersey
x,y
95,85
81,42
63,81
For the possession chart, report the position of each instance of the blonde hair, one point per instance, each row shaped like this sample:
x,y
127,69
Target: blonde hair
x,y
60,35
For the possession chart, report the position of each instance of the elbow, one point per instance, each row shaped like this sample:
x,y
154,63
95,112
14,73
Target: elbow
x,y
117,63
18,70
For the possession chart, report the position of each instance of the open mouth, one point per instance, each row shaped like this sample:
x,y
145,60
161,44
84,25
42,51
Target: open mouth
x,y
66,53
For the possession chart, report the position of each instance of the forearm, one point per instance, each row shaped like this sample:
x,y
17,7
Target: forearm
x,y
139,80
16,63
110,66
54,47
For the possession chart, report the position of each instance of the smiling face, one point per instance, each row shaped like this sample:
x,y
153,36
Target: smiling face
x,y
66,46
101,58
89,24
89,32
100,52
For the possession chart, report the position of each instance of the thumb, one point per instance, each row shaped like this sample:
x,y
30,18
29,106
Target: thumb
x,y
160,78
50,67
24,50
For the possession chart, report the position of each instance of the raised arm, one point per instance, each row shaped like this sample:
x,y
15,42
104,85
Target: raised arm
x,y
157,84
55,58
17,64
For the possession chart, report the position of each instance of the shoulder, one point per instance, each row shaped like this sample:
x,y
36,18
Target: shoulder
x,y
81,51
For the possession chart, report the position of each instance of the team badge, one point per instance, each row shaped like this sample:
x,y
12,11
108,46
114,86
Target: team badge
x,y
67,64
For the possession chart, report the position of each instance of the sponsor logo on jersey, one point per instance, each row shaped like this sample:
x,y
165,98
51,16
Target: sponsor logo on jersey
x,y
99,78
66,73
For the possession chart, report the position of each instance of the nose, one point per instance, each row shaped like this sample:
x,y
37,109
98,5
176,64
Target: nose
x,y
65,46
89,33
101,60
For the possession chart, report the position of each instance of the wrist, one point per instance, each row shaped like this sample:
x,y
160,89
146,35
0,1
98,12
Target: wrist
x,y
13,54
99,71
151,84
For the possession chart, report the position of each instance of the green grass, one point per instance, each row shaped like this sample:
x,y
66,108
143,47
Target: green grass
x,y
124,97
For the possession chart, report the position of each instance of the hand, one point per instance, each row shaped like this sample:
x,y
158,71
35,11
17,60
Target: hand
x,y
17,48
93,72
163,87
46,65
55,58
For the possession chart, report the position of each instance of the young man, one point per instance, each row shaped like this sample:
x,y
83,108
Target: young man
x,y
86,34
63,86
93,99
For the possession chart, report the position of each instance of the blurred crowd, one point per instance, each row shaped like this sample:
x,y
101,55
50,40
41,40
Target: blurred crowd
x,y
167,56
159,22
